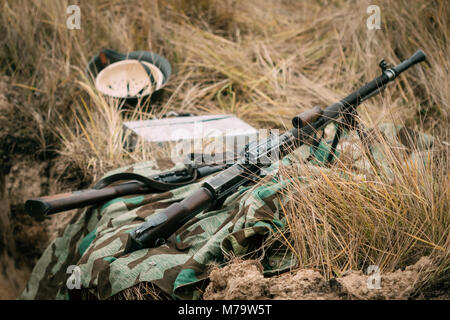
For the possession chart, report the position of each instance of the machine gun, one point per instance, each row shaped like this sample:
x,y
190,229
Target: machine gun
x,y
104,191
213,192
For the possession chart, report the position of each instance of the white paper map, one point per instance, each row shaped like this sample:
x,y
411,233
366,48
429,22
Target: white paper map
x,y
197,128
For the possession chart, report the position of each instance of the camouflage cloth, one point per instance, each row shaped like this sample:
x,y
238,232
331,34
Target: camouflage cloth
x,y
95,237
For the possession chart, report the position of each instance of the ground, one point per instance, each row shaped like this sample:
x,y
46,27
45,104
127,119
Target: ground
x,y
242,280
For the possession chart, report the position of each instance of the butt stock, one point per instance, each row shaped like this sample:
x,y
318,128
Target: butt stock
x,y
157,229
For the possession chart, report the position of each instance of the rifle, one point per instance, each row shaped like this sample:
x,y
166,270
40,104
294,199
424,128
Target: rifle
x,y
213,192
137,184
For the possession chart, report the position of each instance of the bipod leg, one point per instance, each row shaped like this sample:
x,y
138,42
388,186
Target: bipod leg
x,y
315,145
337,137
353,123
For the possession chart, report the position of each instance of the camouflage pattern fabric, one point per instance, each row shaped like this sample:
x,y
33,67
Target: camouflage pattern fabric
x,y
96,236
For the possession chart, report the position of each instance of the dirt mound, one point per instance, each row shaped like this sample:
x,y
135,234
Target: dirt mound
x,y
399,284
244,280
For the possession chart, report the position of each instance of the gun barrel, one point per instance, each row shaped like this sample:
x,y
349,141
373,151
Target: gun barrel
x,y
354,99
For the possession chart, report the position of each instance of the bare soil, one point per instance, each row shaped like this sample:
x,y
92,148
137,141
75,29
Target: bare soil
x,y
244,280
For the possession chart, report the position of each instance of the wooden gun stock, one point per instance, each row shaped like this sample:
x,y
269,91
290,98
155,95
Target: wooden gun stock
x,y
40,207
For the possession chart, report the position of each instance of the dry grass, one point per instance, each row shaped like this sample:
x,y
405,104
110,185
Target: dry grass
x,y
389,215
265,61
